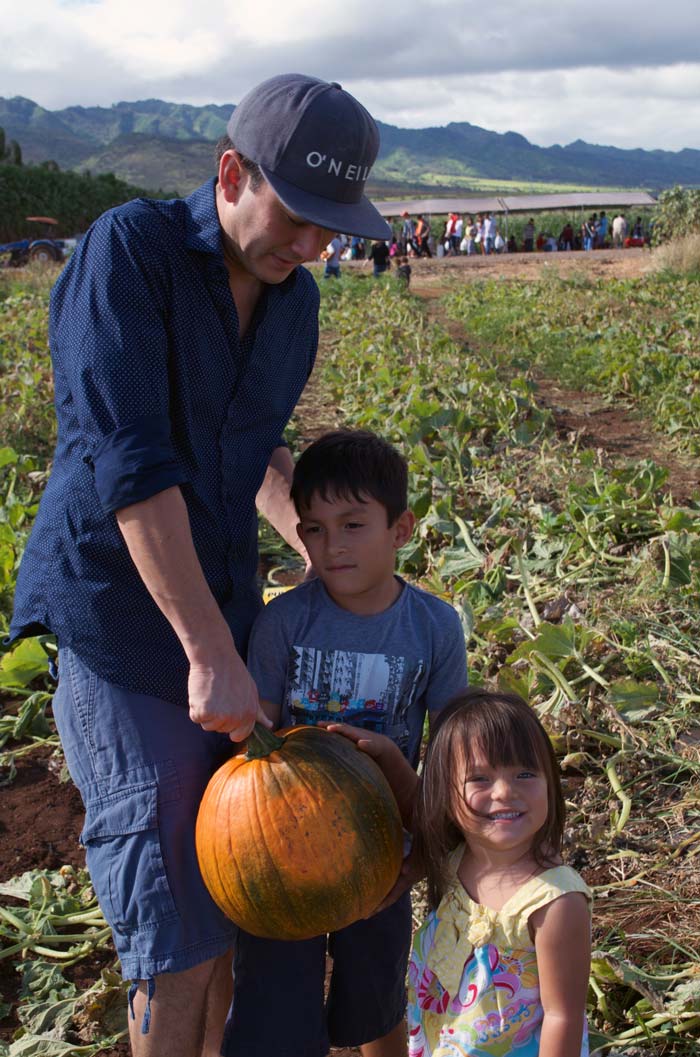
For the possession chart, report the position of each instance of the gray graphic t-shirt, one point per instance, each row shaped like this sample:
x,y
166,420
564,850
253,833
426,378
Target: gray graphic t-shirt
x,y
380,672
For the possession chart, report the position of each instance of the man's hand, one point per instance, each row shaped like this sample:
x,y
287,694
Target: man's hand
x,y
223,697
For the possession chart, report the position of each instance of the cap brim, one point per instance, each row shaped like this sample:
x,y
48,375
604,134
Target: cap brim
x,y
352,218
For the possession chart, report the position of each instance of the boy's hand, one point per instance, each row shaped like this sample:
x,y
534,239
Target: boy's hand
x,y
375,745
396,769
412,871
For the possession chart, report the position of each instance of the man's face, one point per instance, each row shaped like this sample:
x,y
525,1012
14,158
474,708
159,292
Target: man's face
x,y
264,238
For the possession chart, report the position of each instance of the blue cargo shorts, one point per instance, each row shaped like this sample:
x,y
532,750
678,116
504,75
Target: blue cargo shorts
x,y
141,766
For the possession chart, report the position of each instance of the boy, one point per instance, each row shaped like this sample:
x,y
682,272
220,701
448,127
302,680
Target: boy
x,y
361,646
403,271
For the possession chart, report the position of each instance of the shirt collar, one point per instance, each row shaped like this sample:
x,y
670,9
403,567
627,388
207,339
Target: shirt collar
x,y
203,231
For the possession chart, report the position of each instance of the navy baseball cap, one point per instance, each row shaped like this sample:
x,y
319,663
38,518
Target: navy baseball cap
x,y
315,145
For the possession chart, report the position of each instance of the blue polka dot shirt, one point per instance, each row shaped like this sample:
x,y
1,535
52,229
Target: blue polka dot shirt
x,y
155,388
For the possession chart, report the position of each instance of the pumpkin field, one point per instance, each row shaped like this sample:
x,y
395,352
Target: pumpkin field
x,y
550,415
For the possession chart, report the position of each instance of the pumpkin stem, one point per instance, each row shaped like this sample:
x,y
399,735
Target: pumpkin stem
x,y
261,742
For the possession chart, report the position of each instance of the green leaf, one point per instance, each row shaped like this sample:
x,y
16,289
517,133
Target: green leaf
x,y
7,456
513,682
636,701
553,640
679,520
23,664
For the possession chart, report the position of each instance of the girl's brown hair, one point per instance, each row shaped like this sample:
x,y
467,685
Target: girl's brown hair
x,y
507,731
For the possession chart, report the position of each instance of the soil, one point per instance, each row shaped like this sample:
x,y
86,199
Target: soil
x,y
620,436
42,817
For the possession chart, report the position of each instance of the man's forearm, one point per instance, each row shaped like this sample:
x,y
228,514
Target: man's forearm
x,y
157,534
274,503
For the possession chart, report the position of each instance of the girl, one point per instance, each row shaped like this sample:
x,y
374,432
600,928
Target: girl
x,y
500,966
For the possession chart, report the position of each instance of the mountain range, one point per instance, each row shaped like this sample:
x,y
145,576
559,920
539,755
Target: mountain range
x,y
161,145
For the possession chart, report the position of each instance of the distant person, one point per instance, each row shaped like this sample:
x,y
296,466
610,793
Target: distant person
x,y
408,232
490,228
403,271
448,234
588,233
529,236
422,236
357,249
601,231
458,231
512,244
638,230
619,231
331,255
379,256
479,233
566,237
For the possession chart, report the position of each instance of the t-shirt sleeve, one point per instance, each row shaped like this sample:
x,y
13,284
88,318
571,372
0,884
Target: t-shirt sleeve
x,y
109,339
448,672
269,650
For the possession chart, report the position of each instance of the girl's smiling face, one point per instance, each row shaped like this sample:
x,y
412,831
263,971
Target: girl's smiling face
x,y
500,808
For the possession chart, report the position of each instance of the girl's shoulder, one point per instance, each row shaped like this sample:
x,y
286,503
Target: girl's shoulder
x,y
544,888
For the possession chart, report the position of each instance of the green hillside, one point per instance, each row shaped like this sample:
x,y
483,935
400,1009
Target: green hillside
x,y
154,143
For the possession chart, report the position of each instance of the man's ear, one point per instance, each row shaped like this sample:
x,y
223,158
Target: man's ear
x,y
231,175
403,528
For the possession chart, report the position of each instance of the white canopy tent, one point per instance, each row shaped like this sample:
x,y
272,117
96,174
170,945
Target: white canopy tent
x,y
515,203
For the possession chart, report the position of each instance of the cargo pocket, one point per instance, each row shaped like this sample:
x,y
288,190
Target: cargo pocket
x,y
123,854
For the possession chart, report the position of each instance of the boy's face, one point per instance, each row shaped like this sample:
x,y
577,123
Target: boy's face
x,y
353,550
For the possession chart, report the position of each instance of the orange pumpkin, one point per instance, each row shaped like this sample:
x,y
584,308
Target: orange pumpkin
x,y
299,835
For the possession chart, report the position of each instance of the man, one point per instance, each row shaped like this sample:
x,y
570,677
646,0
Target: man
x,y
422,237
408,233
182,334
379,256
619,231
331,255
602,230
529,236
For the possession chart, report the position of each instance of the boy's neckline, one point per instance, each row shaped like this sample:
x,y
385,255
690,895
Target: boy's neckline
x,y
400,590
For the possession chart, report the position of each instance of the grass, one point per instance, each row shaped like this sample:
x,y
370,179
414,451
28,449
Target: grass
x,y
576,583
679,257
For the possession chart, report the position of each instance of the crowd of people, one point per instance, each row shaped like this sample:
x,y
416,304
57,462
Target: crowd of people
x,y
481,235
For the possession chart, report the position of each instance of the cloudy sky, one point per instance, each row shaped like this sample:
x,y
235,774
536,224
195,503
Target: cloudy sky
x,y
617,72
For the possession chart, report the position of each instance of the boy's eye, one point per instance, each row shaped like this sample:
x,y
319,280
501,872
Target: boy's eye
x,y
526,774
354,524
311,530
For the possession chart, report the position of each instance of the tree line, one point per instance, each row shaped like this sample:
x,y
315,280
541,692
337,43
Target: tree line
x,y
73,199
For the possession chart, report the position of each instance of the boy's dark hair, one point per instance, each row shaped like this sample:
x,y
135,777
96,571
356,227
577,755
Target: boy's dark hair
x,y
508,732
252,168
353,464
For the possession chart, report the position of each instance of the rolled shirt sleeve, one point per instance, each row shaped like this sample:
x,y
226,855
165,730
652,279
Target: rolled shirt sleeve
x,y
111,320
135,462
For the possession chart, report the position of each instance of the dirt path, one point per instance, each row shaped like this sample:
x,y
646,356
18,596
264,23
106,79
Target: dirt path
x,y
581,417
